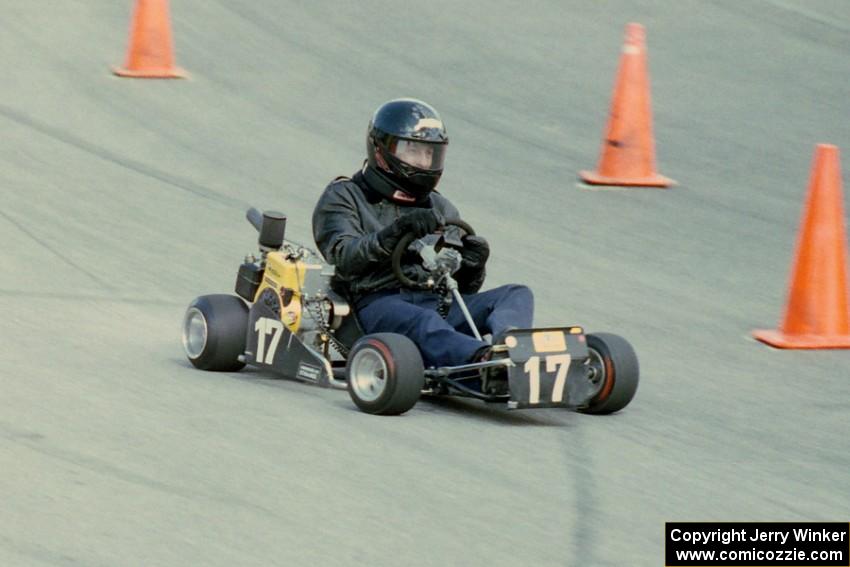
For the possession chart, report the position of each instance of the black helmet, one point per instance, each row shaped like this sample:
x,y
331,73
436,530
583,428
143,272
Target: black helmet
x,y
406,145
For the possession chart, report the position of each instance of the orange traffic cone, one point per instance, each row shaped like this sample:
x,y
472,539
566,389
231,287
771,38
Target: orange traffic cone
x,y
150,54
628,151
817,314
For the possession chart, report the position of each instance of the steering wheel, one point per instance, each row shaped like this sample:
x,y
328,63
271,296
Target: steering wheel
x,y
405,241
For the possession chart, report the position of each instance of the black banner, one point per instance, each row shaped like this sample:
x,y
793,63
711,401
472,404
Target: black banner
x,y
740,544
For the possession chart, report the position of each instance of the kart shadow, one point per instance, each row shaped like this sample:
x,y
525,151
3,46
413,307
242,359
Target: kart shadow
x,y
462,407
475,409
246,374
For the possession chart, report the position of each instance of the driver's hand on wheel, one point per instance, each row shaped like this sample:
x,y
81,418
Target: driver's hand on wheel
x,y
475,252
420,222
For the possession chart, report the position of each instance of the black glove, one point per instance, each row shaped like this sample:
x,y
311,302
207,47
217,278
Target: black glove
x,y
475,252
420,222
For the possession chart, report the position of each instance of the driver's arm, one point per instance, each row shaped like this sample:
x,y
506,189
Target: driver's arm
x,y
339,234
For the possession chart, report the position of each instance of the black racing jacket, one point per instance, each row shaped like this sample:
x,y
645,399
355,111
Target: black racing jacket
x,y
346,222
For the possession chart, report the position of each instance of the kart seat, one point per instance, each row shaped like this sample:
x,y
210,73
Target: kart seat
x,y
347,328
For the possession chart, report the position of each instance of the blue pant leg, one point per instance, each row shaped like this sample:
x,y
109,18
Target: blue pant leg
x,y
439,343
496,310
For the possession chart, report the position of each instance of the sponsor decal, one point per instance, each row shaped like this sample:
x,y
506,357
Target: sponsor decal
x,y
549,341
289,317
427,123
308,372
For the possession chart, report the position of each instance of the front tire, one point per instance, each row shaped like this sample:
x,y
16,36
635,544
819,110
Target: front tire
x,y
385,374
615,369
214,330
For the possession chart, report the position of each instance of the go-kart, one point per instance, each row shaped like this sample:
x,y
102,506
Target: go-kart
x,y
286,318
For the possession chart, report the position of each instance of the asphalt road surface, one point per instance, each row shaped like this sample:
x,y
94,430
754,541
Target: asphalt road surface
x,y
124,199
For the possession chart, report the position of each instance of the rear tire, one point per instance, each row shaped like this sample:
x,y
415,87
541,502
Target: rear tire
x,y
214,331
616,366
385,374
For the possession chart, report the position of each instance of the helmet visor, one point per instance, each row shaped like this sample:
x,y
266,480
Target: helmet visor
x,y
421,155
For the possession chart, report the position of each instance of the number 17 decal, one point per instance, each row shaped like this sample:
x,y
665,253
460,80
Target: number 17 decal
x,y
557,363
265,326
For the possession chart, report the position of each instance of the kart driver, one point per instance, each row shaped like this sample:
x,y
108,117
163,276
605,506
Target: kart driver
x,y
359,220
